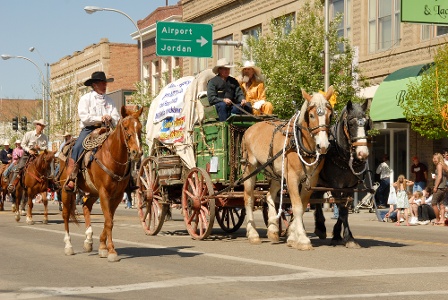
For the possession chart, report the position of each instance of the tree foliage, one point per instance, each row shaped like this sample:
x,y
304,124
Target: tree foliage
x,y
295,60
425,102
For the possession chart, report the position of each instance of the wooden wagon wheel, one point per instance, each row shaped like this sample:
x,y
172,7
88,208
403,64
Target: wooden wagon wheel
x,y
197,209
151,212
230,219
283,222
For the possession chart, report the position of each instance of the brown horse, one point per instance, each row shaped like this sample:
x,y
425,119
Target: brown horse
x,y
300,143
35,180
106,177
3,187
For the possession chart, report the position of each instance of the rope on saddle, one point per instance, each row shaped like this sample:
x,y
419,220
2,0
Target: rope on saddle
x,y
93,140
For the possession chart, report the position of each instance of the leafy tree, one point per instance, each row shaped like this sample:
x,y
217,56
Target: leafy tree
x,y
425,103
294,60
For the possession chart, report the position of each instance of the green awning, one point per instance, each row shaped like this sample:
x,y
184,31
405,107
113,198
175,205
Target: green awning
x,y
385,102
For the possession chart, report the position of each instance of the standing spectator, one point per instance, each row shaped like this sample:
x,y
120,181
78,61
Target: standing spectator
x,y
420,172
17,153
383,190
439,189
401,186
6,154
224,92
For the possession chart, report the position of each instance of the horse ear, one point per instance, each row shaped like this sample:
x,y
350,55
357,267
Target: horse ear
x,y
329,93
349,105
306,95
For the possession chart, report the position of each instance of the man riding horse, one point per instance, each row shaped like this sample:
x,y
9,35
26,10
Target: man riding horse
x,y
94,108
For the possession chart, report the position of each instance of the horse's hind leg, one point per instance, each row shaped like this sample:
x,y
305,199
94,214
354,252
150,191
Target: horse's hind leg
x,y
319,223
273,229
349,240
45,202
251,228
87,210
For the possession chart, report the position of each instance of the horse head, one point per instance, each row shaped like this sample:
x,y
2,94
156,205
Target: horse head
x,y
132,130
44,160
316,117
355,126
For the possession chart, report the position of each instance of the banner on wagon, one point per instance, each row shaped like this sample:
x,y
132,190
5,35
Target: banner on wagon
x,y
170,101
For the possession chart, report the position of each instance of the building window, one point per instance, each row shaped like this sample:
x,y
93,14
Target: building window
x,y
226,51
287,21
199,64
384,24
155,77
430,31
344,9
253,32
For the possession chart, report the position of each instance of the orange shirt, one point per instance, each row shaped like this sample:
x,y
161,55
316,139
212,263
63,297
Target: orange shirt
x,y
254,92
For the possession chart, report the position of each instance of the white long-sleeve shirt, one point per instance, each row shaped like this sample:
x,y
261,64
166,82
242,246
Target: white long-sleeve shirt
x,y
93,106
31,139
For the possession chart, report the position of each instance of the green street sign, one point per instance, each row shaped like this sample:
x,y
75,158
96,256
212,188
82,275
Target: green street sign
x,y
424,11
184,39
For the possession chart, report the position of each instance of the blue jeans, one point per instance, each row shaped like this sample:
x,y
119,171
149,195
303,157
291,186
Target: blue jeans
x,y
224,111
419,186
78,148
382,193
335,211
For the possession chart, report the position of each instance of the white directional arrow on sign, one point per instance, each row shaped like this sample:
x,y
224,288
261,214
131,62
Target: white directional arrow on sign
x,y
202,41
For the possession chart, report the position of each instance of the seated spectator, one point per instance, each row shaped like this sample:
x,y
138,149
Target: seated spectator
x,y
414,203
425,211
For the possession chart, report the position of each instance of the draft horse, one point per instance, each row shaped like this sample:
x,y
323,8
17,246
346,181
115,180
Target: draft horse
x,y
347,157
106,177
301,142
35,179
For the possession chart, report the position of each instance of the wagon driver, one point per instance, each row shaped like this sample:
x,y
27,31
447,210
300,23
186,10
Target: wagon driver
x,y
94,108
224,92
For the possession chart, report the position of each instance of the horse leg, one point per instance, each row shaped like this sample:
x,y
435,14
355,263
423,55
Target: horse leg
x,y
297,237
87,210
319,223
251,228
29,215
337,238
45,202
68,201
349,240
18,197
108,208
273,229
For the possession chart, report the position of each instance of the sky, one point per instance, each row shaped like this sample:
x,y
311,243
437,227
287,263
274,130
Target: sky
x,y
57,28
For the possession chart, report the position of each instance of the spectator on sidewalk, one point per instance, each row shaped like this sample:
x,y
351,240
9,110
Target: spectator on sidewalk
x,y
382,193
438,196
420,172
401,186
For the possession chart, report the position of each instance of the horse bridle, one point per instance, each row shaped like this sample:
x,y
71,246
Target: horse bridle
x,y
320,112
353,141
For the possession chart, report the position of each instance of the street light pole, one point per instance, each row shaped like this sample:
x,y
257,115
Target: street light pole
x,y
47,93
92,9
7,56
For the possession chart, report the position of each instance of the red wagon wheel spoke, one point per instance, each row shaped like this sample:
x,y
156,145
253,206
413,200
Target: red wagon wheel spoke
x,y
150,209
198,208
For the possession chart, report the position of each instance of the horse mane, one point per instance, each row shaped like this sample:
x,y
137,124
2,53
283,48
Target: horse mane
x,y
318,99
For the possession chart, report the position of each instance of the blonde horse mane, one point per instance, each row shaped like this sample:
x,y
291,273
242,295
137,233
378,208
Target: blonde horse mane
x,y
317,99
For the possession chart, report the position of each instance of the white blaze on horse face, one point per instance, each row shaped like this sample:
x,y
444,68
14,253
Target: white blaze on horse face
x,y
322,136
136,135
362,152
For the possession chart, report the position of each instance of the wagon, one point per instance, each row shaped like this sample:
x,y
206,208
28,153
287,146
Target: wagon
x,y
200,171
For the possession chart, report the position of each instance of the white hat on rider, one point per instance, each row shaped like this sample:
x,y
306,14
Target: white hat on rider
x,y
18,142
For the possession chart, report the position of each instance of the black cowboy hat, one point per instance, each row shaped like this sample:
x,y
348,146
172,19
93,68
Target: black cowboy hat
x,y
97,76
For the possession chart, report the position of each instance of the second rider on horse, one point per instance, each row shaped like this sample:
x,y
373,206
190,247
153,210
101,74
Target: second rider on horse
x,y
94,109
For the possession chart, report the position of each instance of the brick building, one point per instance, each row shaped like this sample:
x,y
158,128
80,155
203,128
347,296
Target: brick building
x,y
117,60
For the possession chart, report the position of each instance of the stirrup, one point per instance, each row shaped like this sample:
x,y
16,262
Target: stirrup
x,y
69,189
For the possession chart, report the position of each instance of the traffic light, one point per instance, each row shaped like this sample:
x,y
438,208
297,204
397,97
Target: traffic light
x,y
23,123
15,123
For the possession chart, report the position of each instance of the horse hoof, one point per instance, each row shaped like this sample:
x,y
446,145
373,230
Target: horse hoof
x,y
336,242
88,247
255,241
103,253
69,251
17,217
304,247
30,222
113,257
352,245
13,208
23,213
322,235
45,221
273,237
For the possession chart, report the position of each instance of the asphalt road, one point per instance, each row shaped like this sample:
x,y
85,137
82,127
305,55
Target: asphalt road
x,y
394,262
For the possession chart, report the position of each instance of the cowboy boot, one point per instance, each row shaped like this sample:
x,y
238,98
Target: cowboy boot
x,y
72,168
14,180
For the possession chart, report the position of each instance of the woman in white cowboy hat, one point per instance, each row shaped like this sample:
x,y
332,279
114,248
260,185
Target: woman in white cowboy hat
x,y
94,108
224,92
253,87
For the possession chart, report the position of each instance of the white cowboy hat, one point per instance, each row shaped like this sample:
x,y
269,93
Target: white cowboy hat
x,y
250,64
6,143
40,121
18,142
221,63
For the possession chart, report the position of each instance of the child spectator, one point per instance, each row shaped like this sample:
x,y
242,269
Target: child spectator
x,y
402,197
